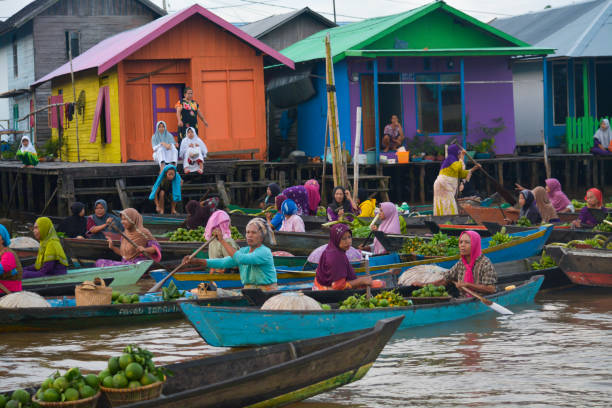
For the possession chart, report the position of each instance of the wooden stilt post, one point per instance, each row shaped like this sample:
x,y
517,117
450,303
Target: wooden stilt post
x,y
122,192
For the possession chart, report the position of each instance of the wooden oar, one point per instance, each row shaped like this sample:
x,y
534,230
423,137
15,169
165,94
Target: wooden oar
x,y
159,284
5,290
495,306
128,239
508,196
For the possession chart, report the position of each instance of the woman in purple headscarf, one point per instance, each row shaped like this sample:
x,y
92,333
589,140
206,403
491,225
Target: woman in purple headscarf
x,y
306,197
334,271
445,186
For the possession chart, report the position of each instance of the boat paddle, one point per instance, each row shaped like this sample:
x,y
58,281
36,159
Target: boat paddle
x,y
159,284
128,239
495,306
4,289
508,196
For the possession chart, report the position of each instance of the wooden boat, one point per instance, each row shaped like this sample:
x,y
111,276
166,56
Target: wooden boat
x,y
122,275
270,376
224,327
72,317
527,244
499,216
507,273
55,289
583,266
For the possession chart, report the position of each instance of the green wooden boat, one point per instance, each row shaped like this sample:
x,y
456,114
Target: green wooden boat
x,y
122,275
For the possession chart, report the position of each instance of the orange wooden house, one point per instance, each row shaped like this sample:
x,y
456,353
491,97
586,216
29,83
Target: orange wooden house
x,y
134,79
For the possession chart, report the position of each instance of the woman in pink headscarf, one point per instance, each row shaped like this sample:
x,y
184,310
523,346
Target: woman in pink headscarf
x,y
219,220
557,197
390,225
306,197
474,270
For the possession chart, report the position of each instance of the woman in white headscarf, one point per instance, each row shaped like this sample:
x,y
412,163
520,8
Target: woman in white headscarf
x,y
164,146
602,139
27,153
193,152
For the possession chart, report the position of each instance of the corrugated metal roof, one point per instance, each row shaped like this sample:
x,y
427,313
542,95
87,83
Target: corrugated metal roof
x,y
264,26
36,7
107,53
578,30
359,34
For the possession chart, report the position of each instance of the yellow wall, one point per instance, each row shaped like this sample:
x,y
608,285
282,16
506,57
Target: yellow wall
x,y
97,151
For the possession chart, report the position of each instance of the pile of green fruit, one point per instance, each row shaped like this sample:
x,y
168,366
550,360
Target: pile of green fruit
x,y
523,222
182,234
19,399
133,369
430,290
321,211
383,299
604,226
119,297
545,262
71,386
236,235
411,245
578,204
500,237
171,292
439,245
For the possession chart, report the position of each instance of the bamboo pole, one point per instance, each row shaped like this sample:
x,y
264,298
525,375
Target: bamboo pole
x,y
356,152
76,113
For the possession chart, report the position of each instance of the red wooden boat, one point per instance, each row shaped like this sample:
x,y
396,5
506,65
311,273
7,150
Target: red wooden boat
x,y
589,267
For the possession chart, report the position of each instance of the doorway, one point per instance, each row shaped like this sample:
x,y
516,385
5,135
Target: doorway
x,y
389,103
165,97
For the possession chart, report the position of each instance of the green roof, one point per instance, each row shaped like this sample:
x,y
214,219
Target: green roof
x,y
378,32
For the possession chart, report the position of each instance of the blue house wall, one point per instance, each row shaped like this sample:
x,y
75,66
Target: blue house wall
x,y
313,113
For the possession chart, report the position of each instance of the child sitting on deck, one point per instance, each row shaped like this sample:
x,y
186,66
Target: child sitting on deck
x,y
27,153
167,188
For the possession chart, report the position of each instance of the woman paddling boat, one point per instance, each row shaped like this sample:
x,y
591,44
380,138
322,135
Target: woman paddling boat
x,y
100,221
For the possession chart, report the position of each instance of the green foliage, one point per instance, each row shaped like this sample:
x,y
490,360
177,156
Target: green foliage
x,y
604,227
545,262
523,222
50,148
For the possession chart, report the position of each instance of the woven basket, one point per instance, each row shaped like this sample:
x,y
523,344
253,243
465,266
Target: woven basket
x,y
93,293
123,396
90,402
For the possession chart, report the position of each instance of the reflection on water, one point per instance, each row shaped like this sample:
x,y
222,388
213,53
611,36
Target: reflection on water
x,y
555,352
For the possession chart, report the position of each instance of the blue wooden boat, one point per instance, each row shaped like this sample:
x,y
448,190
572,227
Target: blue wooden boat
x,y
65,315
122,275
238,327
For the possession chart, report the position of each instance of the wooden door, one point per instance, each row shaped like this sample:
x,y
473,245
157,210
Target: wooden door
x,y
367,104
139,128
165,97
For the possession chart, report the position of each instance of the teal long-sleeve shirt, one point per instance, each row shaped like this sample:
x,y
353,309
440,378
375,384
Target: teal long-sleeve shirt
x,y
256,268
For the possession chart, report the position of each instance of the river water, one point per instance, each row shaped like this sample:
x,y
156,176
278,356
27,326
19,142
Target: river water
x,y
554,352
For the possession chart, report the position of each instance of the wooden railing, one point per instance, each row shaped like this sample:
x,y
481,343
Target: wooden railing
x,y
579,133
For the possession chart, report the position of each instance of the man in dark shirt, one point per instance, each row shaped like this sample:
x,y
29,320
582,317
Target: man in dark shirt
x,y
187,112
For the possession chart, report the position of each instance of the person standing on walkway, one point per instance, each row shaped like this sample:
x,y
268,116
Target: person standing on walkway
x,y
187,112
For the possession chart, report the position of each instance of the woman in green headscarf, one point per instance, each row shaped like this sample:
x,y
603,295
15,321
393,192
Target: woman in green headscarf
x,y
51,259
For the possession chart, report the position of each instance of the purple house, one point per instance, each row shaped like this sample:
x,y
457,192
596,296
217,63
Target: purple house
x,y
444,73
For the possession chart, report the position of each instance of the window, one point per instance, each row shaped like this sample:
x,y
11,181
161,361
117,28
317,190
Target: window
x,y
603,85
439,105
15,68
578,90
15,116
72,40
559,80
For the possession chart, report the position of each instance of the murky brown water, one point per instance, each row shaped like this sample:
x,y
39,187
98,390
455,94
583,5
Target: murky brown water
x,y
555,352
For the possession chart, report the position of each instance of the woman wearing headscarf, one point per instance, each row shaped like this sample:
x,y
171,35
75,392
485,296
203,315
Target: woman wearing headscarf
x,y
452,171
221,221
602,139
306,197
27,153
594,212
271,193
51,259
167,187
255,261
291,222
193,152
473,271
276,221
100,221
557,198
74,226
547,211
528,206
342,203
390,224
334,271
142,237
164,146
197,215
10,267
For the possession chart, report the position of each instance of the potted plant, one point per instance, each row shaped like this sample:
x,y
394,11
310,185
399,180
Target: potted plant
x,y
439,150
484,148
415,146
429,147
